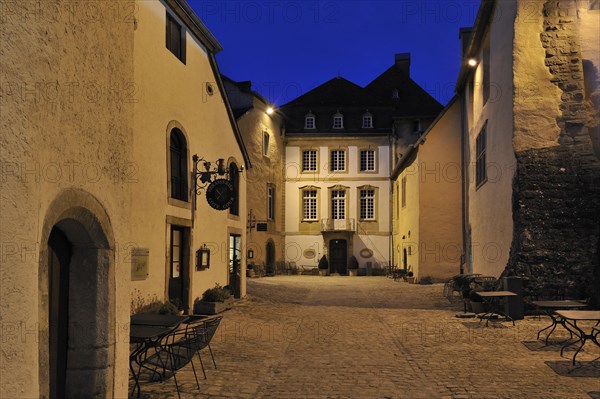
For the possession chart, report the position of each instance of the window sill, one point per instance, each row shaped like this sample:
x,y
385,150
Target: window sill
x,y
180,203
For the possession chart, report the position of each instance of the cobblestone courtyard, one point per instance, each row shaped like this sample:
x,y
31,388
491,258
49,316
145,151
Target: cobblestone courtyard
x,y
371,337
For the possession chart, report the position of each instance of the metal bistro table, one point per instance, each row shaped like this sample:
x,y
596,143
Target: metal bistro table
x,y
571,317
550,308
146,332
495,300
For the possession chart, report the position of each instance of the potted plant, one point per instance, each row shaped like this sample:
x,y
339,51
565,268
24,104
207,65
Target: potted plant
x,y
214,300
157,307
353,266
250,270
323,266
410,277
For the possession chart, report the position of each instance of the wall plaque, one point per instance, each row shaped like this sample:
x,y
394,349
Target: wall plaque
x,y
220,194
139,263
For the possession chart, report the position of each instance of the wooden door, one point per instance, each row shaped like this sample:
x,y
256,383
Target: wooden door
x,y
338,256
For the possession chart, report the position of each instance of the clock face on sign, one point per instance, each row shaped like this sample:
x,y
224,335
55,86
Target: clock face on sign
x,y
220,194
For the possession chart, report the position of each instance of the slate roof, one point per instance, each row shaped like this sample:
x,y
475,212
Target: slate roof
x,y
353,101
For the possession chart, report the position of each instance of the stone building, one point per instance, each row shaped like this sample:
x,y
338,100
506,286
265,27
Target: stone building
x,y
261,126
530,101
102,112
426,206
340,145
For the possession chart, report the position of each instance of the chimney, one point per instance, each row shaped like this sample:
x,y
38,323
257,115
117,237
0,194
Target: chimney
x,y
465,38
402,61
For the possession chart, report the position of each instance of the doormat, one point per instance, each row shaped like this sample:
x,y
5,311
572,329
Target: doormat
x,y
565,368
553,346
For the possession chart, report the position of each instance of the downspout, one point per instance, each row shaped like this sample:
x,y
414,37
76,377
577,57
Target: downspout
x,y
391,203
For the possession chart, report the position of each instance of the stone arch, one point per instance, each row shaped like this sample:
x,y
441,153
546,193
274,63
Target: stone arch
x,y
83,221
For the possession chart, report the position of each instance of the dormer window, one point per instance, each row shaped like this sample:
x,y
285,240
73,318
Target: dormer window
x,y
309,121
338,121
416,126
367,121
395,94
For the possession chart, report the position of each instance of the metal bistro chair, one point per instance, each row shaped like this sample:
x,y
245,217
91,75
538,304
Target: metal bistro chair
x,y
176,351
204,332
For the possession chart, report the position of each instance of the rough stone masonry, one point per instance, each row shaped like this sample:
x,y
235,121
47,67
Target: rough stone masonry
x,y
556,190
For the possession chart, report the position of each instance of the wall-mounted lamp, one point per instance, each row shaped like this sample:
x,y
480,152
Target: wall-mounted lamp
x,y
472,62
270,110
203,258
250,254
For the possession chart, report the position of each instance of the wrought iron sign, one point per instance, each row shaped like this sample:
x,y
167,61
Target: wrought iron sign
x,y
220,192
253,223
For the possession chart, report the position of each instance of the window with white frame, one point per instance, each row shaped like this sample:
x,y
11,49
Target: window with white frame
x,y
338,121
338,161
309,205
266,140
309,160
367,121
338,204
480,162
367,160
309,121
367,204
270,202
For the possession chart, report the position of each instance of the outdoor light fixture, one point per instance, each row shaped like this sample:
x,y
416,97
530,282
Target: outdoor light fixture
x,y
472,62
270,110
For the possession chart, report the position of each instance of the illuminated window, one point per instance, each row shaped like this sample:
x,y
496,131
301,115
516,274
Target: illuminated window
x,y
367,161
309,160
338,204
309,205
367,204
338,160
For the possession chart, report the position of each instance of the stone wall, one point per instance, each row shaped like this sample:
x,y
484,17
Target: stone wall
x,y
556,200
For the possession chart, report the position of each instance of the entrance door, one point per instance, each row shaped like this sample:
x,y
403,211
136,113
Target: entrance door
x,y
270,258
59,258
235,255
338,256
177,272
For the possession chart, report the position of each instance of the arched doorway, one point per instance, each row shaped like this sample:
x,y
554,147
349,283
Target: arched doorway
x,y
270,258
76,286
59,259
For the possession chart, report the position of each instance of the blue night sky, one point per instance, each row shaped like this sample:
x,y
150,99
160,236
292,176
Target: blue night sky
x,y
287,48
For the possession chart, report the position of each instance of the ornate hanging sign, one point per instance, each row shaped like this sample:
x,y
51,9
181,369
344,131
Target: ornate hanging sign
x,y
220,194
